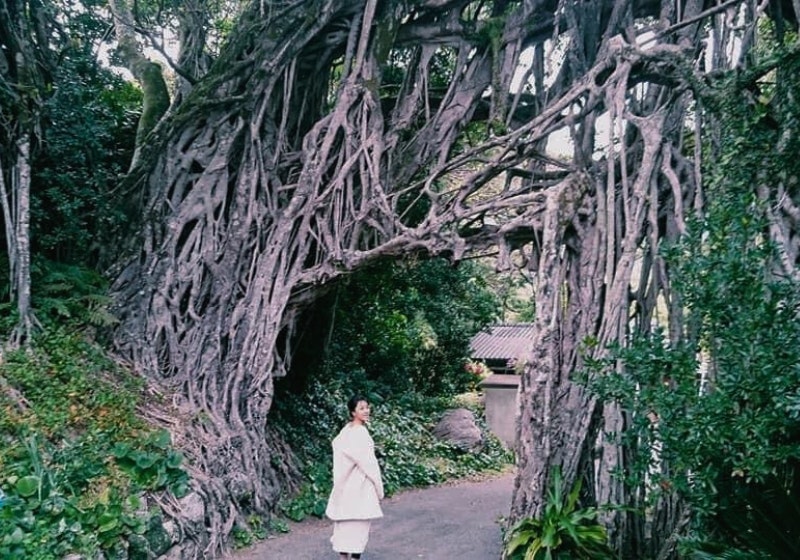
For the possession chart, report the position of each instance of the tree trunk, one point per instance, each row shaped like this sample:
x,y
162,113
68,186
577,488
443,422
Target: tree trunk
x,y
16,212
237,228
26,66
148,74
295,160
21,273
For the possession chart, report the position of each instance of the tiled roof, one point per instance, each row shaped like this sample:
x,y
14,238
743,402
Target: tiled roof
x,y
502,342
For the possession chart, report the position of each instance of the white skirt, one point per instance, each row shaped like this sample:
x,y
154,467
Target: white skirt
x,y
350,535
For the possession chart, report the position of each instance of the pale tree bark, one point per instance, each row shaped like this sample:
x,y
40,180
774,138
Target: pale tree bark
x,y
16,212
292,162
26,66
21,270
194,58
148,74
649,184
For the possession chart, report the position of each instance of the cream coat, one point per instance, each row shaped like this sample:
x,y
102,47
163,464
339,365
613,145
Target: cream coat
x,y
357,485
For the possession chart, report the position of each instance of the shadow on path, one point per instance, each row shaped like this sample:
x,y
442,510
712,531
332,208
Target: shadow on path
x,y
457,521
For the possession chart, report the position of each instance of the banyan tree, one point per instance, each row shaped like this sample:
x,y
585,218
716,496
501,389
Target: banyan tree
x,y
330,133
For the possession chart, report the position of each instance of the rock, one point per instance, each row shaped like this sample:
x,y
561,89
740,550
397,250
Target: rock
x,y
193,508
458,428
118,551
173,531
240,488
158,537
138,548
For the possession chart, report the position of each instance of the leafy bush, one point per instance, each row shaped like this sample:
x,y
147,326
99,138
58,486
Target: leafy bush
x,y
66,296
88,132
563,532
755,520
714,415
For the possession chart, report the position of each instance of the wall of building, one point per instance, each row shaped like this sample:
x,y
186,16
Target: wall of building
x,y
501,399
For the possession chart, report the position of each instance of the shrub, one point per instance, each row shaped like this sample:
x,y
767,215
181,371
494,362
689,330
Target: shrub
x,y
563,532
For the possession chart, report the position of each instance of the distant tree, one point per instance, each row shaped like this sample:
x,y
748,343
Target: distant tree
x,y
186,34
63,140
27,64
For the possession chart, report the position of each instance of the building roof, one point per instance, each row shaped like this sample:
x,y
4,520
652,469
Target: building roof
x,y
502,342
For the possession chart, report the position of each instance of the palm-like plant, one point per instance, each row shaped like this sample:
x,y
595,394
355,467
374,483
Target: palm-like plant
x,y
562,532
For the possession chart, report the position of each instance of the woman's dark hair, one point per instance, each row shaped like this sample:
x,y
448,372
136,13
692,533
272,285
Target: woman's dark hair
x,y
353,403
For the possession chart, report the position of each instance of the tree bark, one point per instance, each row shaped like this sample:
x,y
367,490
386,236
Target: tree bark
x,y
289,164
26,67
148,74
21,278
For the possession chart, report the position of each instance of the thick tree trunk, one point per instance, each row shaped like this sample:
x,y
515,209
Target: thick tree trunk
x,y
289,164
250,200
591,293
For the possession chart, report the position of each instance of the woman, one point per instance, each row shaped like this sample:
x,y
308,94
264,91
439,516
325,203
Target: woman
x,y
357,485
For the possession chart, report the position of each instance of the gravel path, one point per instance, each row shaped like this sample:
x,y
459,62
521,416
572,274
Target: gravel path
x,y
457,521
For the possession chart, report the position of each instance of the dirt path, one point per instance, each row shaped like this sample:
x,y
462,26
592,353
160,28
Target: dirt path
x,y
457,521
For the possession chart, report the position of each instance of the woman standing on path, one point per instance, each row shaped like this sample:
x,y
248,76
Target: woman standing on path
x,y
357,485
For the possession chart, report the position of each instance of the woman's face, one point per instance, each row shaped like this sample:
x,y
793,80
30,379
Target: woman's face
x,y
361,412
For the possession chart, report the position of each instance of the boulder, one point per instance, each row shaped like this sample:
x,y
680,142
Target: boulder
x,y
457,427
160,535
193,508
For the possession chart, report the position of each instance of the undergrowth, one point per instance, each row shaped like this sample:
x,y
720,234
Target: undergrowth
x,y
75,460
409,454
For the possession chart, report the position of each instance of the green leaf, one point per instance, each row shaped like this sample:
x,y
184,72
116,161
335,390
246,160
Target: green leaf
x,y
162,439
146,460
107,522
174,459
27,486
120,450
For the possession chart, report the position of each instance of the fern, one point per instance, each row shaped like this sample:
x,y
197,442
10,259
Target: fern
x,y
63,294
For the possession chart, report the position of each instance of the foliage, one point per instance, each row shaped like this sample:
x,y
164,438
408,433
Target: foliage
x,y
152,464
725,553
64,295
88,137
755,519
406,326
75,459
254,530
712,413
563,532
84,117
393,73
410,456
515,291
399,331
